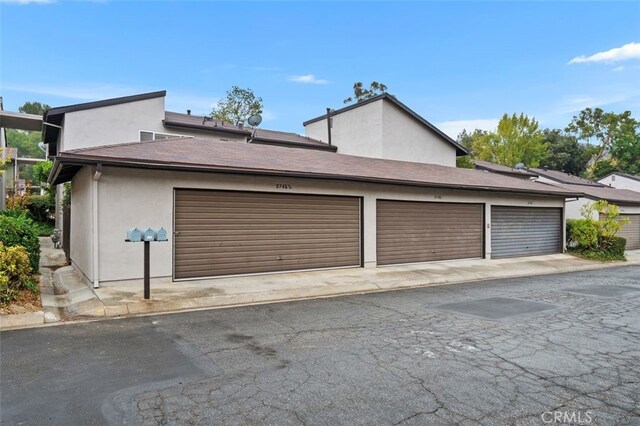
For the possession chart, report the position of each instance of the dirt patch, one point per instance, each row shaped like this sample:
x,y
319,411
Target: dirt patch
x,y
27,302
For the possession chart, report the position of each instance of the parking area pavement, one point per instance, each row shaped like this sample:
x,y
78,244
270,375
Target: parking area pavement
x,y
512,351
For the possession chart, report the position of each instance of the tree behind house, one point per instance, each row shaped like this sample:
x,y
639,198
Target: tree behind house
x,y
360,93
34,107
518,139
565,153
237,106
609,132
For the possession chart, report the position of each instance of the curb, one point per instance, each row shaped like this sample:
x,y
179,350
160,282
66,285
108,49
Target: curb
x,y
26,320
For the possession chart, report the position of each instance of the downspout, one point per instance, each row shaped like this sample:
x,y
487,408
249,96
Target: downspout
x,y
95,230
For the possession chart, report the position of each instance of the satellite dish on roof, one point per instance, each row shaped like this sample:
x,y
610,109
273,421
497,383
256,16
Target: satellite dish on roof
x,y
255,120
519,166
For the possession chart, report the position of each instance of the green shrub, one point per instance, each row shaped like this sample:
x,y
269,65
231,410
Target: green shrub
x,y
15,273
582,233
615,246
41,207
44,229
594,236
21,231
41,171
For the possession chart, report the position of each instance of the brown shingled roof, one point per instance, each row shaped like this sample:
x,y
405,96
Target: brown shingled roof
x,y
563,177
216,156
271,137
613,195
498,168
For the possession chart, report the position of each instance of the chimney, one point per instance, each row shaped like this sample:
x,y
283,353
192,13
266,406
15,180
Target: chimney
x,y
188,112
329,125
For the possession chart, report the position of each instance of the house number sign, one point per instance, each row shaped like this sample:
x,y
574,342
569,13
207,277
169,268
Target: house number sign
x,y
284,186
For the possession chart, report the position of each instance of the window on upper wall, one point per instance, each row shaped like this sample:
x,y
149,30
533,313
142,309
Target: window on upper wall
x,y
155,136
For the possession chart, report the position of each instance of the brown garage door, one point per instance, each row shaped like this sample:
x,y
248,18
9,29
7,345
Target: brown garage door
x,y
231,232
631,231
410,231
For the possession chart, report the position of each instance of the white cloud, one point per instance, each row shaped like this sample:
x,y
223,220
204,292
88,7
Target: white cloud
x,y
81,91
454,128
27,1
307,79
578,103
624,53
620,68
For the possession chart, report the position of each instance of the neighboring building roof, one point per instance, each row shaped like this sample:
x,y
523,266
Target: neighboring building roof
x,y
613,195
626,175
55,116
20,121
206,155
262,136
499,168
562,177
460,150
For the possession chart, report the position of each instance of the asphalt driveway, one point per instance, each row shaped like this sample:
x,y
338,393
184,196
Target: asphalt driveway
x,y
518,351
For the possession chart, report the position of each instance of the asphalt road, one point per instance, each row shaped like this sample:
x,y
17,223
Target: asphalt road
x,y
518,351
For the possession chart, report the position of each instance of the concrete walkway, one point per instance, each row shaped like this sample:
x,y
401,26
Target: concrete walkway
x,y
126,297
65,296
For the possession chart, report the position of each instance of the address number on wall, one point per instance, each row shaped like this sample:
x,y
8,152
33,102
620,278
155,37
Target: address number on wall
x,y
284,186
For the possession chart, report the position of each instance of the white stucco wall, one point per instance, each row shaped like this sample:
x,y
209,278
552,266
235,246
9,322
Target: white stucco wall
x,y
144,198
407,140
355,132
621,182
81,250
573,207
112,124
122,123
382,130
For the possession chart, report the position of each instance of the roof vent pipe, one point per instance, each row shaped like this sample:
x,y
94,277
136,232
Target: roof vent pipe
x,y
329,125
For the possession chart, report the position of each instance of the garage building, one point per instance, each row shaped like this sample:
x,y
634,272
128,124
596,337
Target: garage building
x,y
240,208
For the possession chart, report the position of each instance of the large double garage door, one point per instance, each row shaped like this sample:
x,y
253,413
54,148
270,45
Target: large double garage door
x,y
222,233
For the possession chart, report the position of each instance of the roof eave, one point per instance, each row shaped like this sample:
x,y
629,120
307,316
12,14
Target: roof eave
x,y
107,161
221,129
263,141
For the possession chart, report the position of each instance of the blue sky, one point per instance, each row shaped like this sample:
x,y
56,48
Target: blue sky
x,y
458,64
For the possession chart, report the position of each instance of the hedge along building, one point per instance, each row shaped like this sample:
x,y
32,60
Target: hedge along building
x,y
233,207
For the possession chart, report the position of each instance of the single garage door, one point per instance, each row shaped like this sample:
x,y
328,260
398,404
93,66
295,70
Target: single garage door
x,y
525,231
232,232
410,231
631,231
